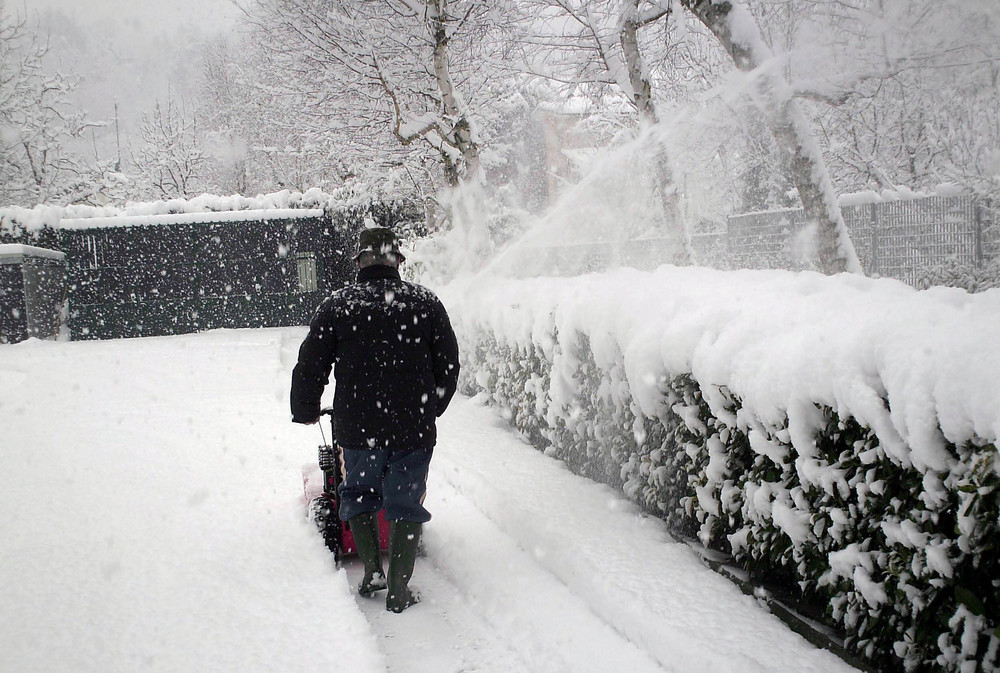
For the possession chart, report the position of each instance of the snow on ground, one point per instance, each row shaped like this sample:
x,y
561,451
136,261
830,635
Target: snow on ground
x,y
150,519
149,514
646,591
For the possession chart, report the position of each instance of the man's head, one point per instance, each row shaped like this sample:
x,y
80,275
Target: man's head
x,y
378,245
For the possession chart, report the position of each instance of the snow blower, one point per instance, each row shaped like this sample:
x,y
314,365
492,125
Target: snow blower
x,y
320,482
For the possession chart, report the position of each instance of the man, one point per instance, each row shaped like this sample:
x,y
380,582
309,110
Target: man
x,y
395,364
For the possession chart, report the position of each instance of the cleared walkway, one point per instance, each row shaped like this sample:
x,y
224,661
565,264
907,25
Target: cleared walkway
x,y
150,519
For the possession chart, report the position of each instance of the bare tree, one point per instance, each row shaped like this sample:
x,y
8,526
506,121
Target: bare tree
x,y
36,121
740,35
598,45
259,135
375,69
631,21
902,91
911,97
171,159
230,122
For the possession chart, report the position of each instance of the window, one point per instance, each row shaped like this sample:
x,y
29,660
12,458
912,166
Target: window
x,y
306,263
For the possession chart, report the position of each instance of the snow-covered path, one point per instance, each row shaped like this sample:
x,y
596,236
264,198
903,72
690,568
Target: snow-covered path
x,y
150,520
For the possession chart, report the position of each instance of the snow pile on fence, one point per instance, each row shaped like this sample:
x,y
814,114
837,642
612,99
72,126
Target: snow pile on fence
x,y
900,193
838,431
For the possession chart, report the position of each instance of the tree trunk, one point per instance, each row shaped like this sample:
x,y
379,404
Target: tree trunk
x,y
461,132
739,34
642,90
673,228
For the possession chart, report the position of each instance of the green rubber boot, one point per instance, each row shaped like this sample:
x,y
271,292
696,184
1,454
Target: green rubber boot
x,y
404,537
365,530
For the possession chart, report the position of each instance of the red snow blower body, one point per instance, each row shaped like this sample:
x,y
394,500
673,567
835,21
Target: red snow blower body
x,y
320,482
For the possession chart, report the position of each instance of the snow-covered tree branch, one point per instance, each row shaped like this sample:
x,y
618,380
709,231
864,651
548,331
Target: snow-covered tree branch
x,y
37,120
171,159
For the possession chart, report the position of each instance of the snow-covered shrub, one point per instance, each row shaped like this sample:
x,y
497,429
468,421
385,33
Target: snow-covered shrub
x,y
839,433
953,273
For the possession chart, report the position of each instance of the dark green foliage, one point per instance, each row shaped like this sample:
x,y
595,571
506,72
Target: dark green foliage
x,y
903,561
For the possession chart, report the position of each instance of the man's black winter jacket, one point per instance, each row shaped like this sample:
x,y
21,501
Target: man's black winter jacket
x,y
394,358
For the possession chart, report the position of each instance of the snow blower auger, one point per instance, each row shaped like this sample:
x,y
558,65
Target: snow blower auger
x,y
320,482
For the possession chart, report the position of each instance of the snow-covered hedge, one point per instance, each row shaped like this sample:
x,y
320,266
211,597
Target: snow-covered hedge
x,y
840,431
956,274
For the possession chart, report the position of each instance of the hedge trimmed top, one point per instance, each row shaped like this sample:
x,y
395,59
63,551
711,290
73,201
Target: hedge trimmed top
x,y
918,367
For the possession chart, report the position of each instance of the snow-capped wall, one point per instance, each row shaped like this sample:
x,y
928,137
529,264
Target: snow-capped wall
x,y
174,211
843,429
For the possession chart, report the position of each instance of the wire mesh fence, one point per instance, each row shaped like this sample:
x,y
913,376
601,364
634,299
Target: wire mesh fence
x,y
895,239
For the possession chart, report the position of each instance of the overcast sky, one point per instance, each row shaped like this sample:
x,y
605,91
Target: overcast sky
x,y
141,15
132,53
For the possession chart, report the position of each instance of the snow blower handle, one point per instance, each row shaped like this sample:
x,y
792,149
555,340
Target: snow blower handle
x,y
328,411
329,457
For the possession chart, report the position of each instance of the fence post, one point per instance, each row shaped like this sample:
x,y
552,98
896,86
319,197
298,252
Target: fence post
x,y
873,261
978,228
